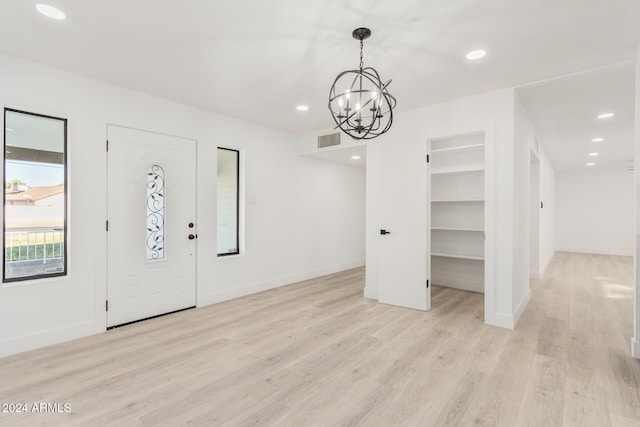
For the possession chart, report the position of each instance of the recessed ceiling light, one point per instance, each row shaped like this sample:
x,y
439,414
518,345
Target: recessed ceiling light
x,y
590,164
476,54
355,157
302,108
593,154
597,140
50,11
605,115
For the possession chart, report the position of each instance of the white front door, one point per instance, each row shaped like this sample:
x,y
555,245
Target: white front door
x,y
403,257
151,224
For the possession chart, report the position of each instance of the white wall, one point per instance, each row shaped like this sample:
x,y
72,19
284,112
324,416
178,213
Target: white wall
x,y
635,340
303,217
501,115
534,217
491,113
47,212
594,211
548,213
525,141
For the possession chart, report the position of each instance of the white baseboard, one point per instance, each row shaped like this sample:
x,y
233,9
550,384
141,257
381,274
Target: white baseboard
x,y
509,321
594,251
54,336
546,263
521,307
49,337
635,348
371,293
265,285
537,275
502,320
461,285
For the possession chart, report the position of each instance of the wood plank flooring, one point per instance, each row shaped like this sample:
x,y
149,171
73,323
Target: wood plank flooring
x,y
318,353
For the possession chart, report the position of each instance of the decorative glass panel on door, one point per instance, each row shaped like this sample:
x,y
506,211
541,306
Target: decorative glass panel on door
x,y
155,213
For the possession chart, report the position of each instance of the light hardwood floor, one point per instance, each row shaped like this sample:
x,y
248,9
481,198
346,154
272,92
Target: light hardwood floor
x,y
318,353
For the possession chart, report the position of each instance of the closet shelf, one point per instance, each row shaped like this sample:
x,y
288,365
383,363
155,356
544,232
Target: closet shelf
x,y
460,148
458,229
459,256
460,169
458,201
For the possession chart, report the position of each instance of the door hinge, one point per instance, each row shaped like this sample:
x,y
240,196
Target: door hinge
x,y
107,225
427,283
107,145
106,305
427,158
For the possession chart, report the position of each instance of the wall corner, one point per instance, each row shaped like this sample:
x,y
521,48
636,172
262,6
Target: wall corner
x,y
371,293
636,272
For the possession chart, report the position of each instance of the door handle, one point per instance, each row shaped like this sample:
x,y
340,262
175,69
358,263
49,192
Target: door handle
x,y
191,236
383,232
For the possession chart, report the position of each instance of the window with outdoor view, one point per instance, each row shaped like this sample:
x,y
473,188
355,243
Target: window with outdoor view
x,y
228,201
35,196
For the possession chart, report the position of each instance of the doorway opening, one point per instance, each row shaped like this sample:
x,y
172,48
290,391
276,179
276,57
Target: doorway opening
x,y
535,204
458,221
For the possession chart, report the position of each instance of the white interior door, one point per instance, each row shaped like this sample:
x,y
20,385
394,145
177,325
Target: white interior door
x,y
151,224
534,218
403,257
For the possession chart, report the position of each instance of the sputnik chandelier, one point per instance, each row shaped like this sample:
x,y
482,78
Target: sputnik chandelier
x,y
359,102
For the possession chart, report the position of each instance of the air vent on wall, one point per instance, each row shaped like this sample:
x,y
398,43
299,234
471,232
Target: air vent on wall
x,y
329,140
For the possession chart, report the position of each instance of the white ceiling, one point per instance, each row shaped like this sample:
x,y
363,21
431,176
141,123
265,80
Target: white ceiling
x,y
564,112
258,59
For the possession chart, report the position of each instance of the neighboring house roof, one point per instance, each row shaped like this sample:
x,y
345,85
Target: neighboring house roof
x,y
32,195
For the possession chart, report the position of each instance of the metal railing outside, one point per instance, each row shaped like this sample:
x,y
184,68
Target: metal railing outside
x,y
34,244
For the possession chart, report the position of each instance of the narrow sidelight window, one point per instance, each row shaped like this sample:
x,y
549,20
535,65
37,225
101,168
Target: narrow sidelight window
x,y
35,196
228,201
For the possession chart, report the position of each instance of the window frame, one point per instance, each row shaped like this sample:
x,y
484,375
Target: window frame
x,y
237,251
65,232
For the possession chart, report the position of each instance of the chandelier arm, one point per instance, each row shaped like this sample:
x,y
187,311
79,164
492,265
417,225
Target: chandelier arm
x,y
355,111
372,77
371,118
383,86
